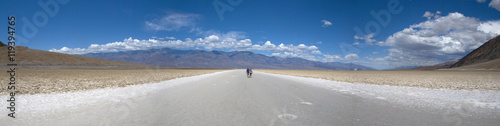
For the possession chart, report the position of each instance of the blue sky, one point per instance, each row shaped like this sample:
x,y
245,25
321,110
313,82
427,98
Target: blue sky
x,y
400,32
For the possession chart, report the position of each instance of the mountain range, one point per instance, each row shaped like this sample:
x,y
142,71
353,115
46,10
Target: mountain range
x,y
174,58
486,57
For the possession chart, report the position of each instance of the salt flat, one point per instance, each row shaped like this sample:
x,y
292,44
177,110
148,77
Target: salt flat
x,y
435,79
230,98
36,81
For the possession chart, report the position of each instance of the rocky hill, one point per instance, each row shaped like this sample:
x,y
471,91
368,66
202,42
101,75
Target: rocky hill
x,y
32,58
487,56
437,66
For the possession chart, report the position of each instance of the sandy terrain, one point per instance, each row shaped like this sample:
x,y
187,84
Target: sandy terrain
x,y
30,81
469,80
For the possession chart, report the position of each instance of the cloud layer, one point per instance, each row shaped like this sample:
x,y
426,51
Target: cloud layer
x,y
212,42
439,39
173,21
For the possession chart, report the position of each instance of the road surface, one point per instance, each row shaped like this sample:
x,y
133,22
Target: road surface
x,y
228,99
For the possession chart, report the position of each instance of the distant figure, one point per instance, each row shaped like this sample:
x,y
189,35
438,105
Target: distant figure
x,y
248,72
251,72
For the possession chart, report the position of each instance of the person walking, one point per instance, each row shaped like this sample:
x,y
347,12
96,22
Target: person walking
x,y
248,72
251,72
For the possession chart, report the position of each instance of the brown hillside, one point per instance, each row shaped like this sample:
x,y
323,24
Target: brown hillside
x,y
437,66
486,53
2,44
32,58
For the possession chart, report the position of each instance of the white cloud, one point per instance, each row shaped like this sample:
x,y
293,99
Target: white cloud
x,y
490,27
326,23
438,40
495,4
331,58
211,42
481,1
316,52
428,15
293,54
319,42
355,43
225,41
170,37
173,21
351,56
368,38
230,34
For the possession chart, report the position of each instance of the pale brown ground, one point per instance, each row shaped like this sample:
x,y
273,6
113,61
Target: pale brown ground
x,y
29,81
437,79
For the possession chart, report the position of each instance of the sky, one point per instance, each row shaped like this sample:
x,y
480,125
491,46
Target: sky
x,y
383,34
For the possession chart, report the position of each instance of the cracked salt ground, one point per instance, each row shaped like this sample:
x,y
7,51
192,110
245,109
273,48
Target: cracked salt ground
x,y
478,103
284,118
305,103
382,98
287,116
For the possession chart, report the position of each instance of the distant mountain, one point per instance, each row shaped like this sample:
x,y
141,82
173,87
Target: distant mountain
x,y
167,57
32,58
487,56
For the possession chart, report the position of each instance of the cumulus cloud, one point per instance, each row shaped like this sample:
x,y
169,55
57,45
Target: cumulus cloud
x,y
368,38
224,41
173,21
326,23
490,27
293,54
351,56
331,58
170,37
495,4
438,40
430,15
211,42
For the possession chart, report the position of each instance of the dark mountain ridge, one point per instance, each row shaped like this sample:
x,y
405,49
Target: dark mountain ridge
x,y
39,59
484,57
167,57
